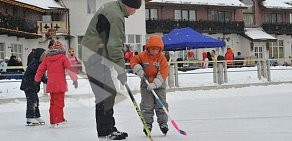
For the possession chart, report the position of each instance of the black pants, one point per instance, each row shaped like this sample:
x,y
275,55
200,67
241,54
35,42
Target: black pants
x,y
32,104
105,122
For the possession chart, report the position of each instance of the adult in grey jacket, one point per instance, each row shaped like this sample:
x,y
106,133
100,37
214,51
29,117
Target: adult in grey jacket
x,y
103,50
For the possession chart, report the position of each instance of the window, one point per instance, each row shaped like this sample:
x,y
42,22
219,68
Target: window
x,y
17,50
258,52
151,14
185,15
248,14
2,50
248,19
273,18
192,15
177,14
135,42
276,50
91,6
221,16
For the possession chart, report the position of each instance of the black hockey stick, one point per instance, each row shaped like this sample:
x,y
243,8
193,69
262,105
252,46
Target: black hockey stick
x,y
139,113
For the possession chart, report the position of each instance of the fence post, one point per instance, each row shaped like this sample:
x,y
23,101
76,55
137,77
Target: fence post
x,y
215,69
268,71
259,69
225,73
264,69
220,73
170,76
176,74
220,69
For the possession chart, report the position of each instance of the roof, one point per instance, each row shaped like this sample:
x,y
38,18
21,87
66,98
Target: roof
x,y
188,38
44,4
258,34
277,4
232,3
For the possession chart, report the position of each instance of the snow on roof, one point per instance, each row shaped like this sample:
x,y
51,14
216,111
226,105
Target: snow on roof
x,y
278,4
44,4
236,3
288,1
258,34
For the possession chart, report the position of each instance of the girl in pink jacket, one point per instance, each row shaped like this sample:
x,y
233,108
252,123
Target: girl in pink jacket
x,y
56,63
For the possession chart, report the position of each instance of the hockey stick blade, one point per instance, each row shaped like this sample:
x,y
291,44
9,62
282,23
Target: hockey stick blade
x,y
177,128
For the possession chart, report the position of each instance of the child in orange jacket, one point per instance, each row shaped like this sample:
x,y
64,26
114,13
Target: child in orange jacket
x,y
152,64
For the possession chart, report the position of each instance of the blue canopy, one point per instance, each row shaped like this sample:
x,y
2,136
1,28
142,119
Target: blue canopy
x,y
187,38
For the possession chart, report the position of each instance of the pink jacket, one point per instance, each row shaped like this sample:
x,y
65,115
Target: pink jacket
x,y
55,65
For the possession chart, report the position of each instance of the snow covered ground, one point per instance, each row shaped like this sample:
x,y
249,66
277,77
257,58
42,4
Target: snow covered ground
x,y
254,113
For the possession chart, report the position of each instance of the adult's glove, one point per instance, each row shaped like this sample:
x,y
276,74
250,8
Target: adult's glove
x,y
122,78
138,70
75,83
155,84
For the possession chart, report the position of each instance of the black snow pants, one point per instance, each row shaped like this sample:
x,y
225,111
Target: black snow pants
x,y
32,105
105,122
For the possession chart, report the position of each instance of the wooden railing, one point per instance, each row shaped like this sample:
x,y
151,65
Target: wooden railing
x,y
166,26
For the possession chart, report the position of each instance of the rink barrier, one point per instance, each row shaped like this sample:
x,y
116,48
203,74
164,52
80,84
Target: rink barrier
x,y
220,72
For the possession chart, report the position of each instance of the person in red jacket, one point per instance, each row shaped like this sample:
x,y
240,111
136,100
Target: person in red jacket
x,y
128,54
229,57
56,63
152,64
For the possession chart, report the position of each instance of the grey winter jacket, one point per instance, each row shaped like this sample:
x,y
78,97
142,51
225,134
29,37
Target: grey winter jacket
x,y
106,33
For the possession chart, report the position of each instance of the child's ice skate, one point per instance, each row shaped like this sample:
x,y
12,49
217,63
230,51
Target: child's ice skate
x,y
163,128
32,122
60,124
41,121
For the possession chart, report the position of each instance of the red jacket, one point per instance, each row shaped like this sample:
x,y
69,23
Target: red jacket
x,y
128,56
229,57
55,65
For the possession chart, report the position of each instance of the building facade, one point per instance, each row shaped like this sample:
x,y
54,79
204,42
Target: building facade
x,y
25,25
256,28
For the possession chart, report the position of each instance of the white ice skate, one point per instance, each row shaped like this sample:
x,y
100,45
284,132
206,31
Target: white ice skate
x,y
32,122
60,125
41,121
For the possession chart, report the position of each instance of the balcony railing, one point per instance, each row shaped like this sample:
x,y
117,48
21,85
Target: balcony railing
x,y
58,26
14,26
211,27
278,28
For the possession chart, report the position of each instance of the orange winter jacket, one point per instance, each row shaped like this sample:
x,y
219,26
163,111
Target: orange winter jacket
x,y
151,65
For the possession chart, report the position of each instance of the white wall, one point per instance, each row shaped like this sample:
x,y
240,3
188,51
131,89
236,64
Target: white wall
x,y
79,19
28,45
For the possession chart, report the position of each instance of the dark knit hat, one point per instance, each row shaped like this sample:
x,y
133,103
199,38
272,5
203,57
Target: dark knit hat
x,y
38,53
132,3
